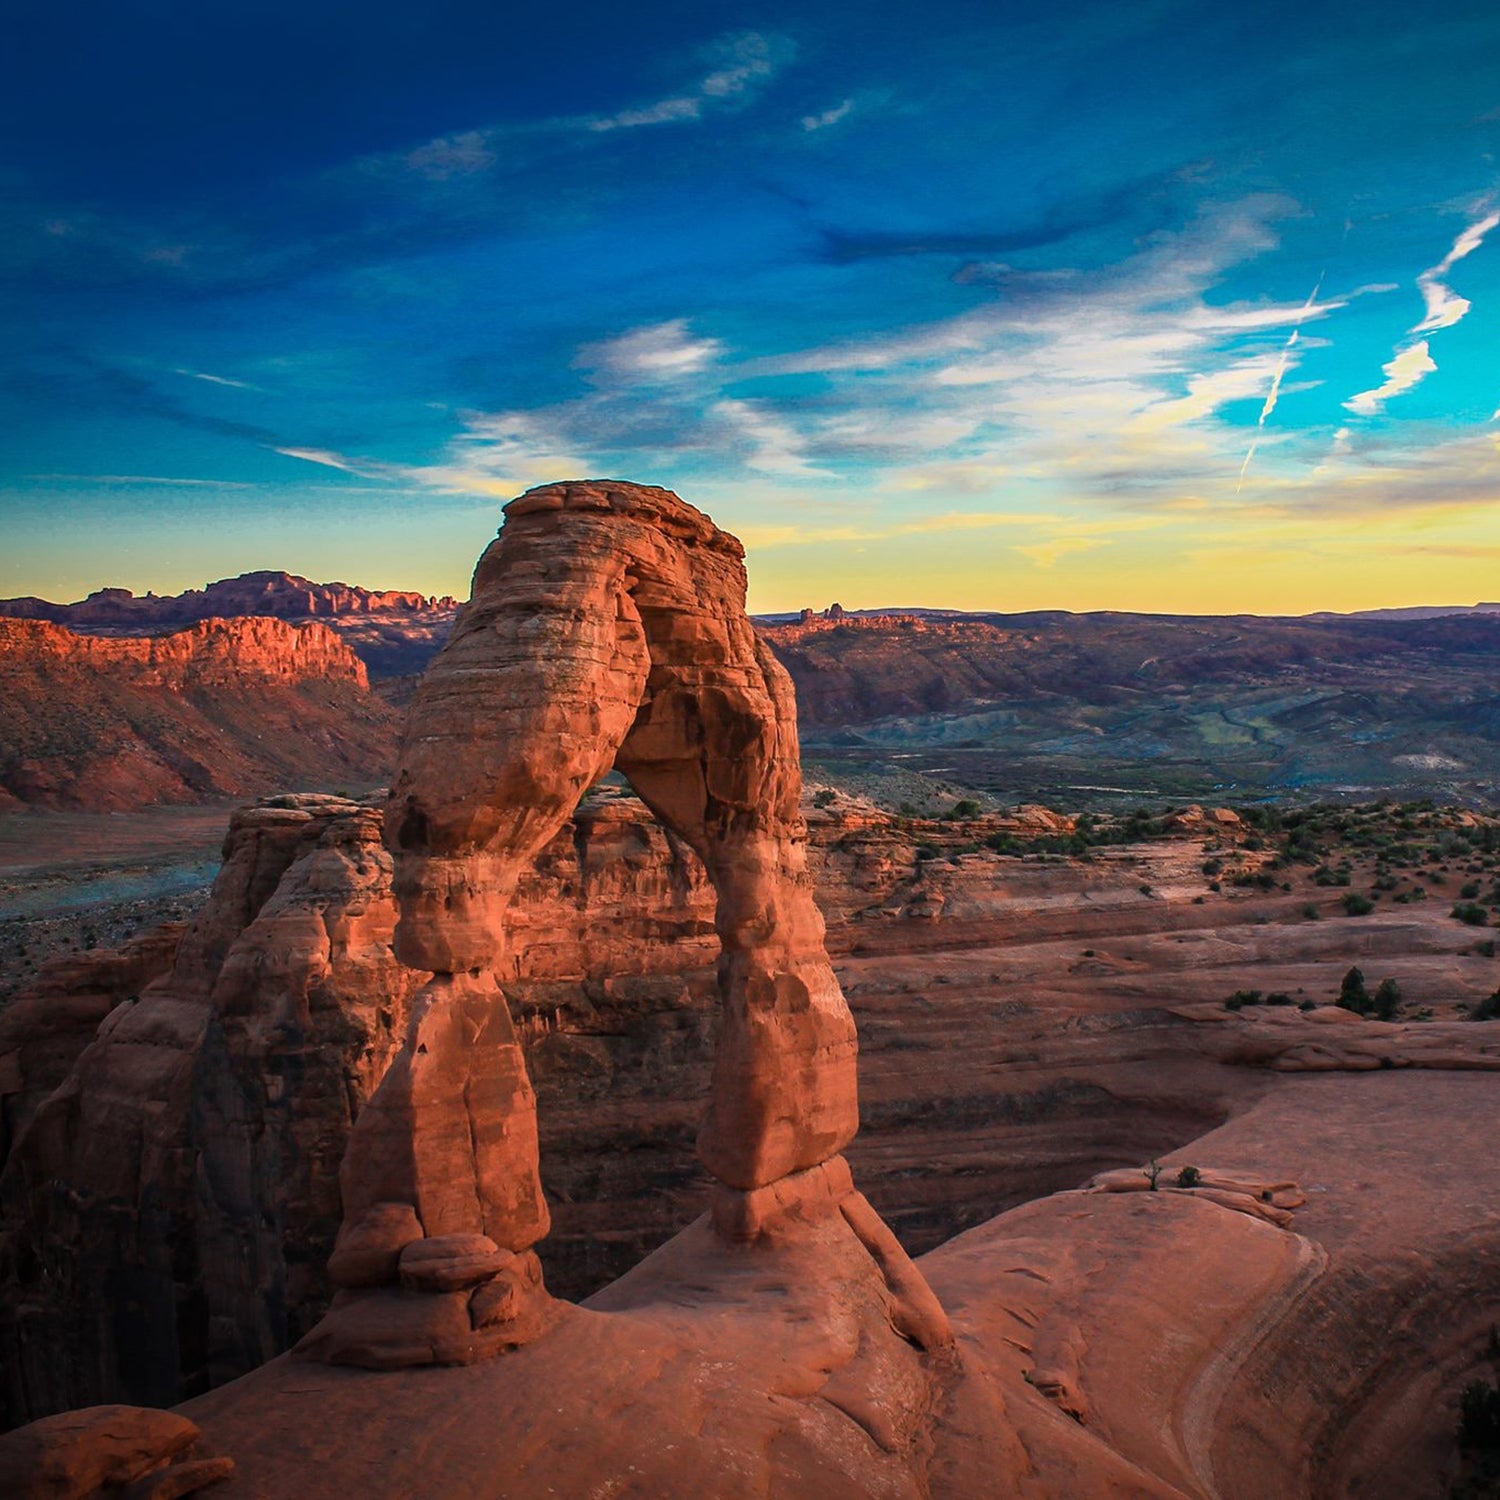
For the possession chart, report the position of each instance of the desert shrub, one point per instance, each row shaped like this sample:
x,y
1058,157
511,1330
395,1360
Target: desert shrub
x,y
1189,1177
1352,992
1469,890
824,797
929,851
1471,914
1311,912
1387,1000
1479,1415
965,807
1487,1010
1241,998
1212,866
1356,905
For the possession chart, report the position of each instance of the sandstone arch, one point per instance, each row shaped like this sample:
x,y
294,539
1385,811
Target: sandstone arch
x,y
607,628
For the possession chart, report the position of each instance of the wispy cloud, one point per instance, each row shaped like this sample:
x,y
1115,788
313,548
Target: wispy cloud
x,y
775,446
448,156
1113,390
1283,363
173,480
1444,306
656,352
828,116
239,385
1049,554
745,62
1401,373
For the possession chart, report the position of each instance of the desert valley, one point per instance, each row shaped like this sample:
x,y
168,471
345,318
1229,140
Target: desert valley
x,y
358,1128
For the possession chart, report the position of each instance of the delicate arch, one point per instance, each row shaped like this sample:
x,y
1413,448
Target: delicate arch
x,y
607,627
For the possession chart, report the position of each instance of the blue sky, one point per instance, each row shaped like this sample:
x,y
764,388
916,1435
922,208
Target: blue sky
x,y
1159,306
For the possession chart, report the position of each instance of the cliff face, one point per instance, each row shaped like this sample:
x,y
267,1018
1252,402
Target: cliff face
x,y
165,1207
222,708
1023,1024
282,595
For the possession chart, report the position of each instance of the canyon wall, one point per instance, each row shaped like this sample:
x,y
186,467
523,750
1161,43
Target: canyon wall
x,y
222,708
1024,1023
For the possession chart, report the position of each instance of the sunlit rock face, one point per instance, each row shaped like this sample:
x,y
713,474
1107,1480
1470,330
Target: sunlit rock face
x,y
607,629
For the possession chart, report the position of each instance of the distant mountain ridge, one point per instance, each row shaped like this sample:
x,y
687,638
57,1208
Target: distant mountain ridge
x,y
395,632
282,596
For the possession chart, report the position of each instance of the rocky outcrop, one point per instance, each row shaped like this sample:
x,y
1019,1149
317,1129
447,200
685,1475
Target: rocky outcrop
x,y
279,595
108,1453
1167,1344
1025,1024
167,1209
393,631
607,629
49,1023
222,708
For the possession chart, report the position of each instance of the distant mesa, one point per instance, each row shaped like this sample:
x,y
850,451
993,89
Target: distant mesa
x,y
395,632
284,596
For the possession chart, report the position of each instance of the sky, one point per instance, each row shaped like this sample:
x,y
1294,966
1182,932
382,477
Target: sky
x,y
1161,306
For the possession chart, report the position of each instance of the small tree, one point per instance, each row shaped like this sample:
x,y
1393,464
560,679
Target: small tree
x,y
1352,992
1152,1170
1387,1000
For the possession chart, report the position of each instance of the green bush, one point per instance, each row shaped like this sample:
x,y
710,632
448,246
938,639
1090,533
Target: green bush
x,y
1471,914
1356,905
1487,1010
1352,992
1387,1000
1189,1177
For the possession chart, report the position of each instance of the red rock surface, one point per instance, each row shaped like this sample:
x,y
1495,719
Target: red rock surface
x,y
607,629
168,1211
222,708
274,594
52,1019
998,1061
105,1450
1130,1343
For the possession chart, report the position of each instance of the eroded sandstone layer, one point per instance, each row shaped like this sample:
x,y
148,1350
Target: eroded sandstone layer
x,y
165,1211
607,630
1025,1023
222,708
1179,1344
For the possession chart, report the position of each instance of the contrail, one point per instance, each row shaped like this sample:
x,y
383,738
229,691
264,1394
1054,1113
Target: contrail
x,y
1281,367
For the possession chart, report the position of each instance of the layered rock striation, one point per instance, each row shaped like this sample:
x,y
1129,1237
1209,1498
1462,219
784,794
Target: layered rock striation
x,y
278,595
607,629
166,1210
220,709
